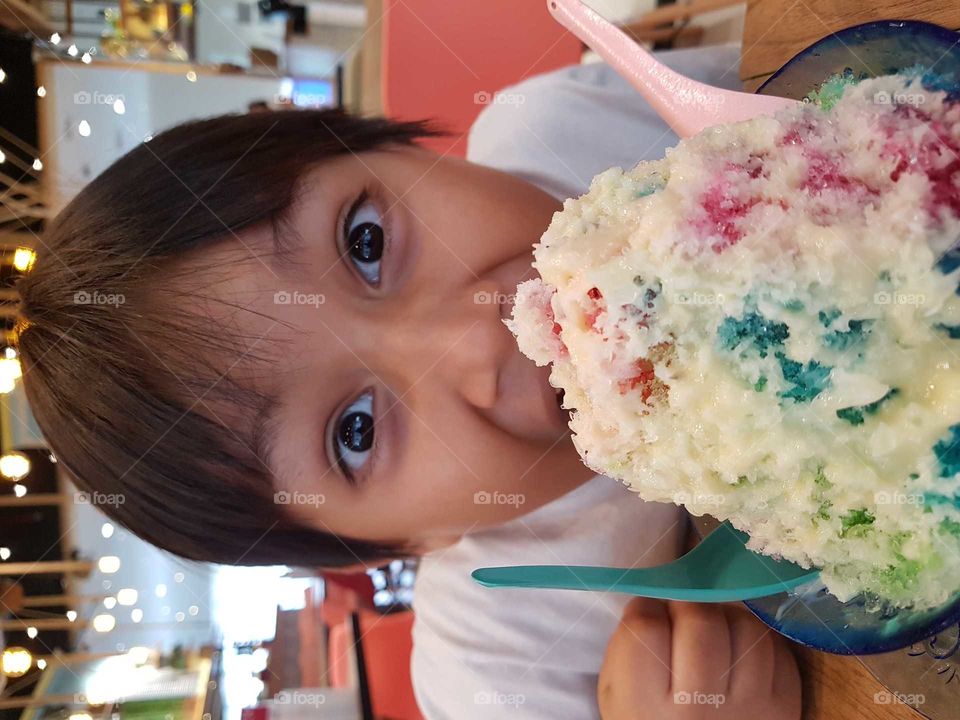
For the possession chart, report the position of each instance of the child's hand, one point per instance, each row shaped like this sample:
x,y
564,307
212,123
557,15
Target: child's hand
x,y
691,660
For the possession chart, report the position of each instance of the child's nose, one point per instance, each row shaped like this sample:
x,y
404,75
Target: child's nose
x,y
457,340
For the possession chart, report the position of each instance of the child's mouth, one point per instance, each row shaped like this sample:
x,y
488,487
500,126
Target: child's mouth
x,y
559,394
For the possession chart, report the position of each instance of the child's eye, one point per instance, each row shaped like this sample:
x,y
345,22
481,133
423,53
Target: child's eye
x,y
363,237
353,435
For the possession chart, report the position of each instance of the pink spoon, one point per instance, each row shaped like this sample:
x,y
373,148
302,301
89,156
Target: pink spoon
x,y
686,105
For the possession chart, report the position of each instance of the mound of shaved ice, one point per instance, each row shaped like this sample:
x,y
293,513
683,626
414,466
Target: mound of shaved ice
x,y
764,326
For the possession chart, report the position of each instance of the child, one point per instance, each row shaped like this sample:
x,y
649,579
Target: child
x,y
279,337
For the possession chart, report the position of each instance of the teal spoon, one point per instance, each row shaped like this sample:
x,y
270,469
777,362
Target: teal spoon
x,y
719,569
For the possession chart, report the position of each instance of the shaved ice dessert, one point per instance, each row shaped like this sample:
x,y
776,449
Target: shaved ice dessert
x,y
764,326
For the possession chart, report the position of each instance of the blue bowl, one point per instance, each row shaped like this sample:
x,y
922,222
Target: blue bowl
x,y
810,615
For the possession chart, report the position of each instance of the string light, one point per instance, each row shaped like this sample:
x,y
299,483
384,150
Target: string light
x,y
127,596
23,257
119,107
71,615
5,553
86,58
3,75
31,632
15,662
37,164
191,76
42,664
104,623
19,490
9,372
41,91
136,615
3,157
55,38
108,564
160,590
110,603
72,51
14,465
84,128
107,530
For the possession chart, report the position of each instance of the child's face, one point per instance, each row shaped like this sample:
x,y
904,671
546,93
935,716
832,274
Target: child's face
x,y
403,400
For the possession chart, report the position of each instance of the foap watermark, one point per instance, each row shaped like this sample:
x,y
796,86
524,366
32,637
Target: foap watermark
x,y
699,499
695,297
899,298
84,97
302,99
498,698
285,497
482,297
99,498
887,697
295,297
482,97
882,97
95,297
483,497
699,698
300,697
898,498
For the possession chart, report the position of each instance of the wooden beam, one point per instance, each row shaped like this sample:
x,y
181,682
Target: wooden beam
x,y
70,601
33,500
47,567
673,13
20,17
21,624
29,701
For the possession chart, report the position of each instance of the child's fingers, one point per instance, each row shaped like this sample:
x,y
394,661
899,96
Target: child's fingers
x,y
701,647
786,680
637,663
751,655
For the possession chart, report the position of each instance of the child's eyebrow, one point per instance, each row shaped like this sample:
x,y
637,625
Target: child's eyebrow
x,y
265,432
286,238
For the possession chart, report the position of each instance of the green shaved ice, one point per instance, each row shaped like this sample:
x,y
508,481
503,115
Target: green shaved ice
x,y
808,380
855,415
947,451
832,89
855,521
752,329
845,339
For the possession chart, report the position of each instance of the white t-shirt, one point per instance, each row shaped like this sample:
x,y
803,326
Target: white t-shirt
x,y
528,653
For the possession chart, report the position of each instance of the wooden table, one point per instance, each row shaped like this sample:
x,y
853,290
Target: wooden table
x,y
834,687
775,30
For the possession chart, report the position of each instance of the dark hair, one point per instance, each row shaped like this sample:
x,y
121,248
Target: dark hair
x,y
118,382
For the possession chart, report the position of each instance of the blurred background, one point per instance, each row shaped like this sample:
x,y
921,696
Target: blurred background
x,y
95,623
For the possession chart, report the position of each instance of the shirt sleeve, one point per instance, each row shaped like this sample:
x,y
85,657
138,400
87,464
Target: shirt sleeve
x,y
453,684
560,129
